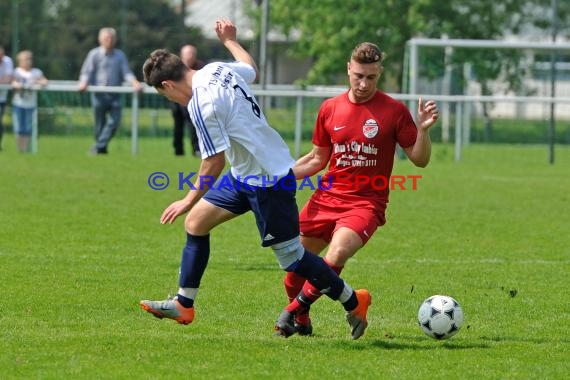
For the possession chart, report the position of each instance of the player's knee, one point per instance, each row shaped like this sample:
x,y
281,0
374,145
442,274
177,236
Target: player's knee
x,y
288,253
195,225
338,257
191,225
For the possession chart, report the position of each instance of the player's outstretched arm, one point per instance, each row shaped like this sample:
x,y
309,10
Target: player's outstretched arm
x,y
420,152
227,35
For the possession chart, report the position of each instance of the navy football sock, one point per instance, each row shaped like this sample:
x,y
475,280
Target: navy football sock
x,y
186,302
351,303
320,275
194,260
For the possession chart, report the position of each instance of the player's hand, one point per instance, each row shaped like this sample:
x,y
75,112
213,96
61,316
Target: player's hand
x,y
225,30
427,113
174,211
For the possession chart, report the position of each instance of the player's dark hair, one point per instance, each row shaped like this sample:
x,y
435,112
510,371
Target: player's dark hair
x,y
367,52
162,65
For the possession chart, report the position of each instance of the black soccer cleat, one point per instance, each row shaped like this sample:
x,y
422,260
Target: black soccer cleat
x,y
303,322
285,326
304,330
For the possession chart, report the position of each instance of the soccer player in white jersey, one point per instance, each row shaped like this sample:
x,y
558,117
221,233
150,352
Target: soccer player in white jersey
x,y
230,125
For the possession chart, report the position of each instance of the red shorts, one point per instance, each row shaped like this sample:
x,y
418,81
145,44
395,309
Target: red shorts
x,y
323,215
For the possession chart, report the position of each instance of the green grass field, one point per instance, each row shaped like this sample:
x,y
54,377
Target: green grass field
x,y
81,244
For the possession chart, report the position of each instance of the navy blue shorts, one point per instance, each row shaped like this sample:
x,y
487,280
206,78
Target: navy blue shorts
x,y
275,208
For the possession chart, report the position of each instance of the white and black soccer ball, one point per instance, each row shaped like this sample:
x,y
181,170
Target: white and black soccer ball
x,y
440,317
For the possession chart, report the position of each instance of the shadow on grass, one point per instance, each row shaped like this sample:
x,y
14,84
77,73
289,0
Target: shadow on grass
x,y
420,343
256,267
518,339
416,343
449,345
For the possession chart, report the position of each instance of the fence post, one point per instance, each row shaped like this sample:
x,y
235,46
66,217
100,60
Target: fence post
x,y
298,126
34,142
135,123
458,130
466,123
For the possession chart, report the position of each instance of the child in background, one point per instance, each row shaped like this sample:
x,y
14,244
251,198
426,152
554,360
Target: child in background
x,y
24,102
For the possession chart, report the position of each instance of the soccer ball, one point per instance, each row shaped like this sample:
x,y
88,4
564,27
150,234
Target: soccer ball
x,y
440,317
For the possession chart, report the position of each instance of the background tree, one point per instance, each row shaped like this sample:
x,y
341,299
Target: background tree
x,y
327,31
61,32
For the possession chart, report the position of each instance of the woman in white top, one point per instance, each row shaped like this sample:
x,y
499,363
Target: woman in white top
x,y
26,80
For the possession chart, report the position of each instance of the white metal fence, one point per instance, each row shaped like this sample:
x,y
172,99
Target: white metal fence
x,y
463,106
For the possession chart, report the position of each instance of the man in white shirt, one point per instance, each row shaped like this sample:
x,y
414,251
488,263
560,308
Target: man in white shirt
x,y
230,125
6,72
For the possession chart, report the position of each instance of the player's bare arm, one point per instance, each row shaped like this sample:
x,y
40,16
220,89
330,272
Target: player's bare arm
x,y
313,162
210,167
420,152
227,34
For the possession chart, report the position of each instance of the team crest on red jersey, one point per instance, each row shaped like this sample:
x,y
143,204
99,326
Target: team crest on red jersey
x,y
370,128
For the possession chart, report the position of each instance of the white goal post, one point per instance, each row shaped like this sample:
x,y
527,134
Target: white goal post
x,y
411,65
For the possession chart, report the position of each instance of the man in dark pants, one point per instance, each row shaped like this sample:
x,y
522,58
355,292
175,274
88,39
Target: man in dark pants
x,y
106,65
188,55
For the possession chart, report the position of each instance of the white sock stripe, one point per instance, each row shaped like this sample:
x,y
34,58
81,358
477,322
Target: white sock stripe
x,y
188,292
346,293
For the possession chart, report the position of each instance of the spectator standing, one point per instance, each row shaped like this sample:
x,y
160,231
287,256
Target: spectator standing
x,y
189,56
106,65
25,82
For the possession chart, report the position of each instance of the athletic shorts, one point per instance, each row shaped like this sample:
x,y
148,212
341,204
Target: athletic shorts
x,y
323,215
275,208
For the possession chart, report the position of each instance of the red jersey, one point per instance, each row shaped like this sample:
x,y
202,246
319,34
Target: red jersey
x,y
362,138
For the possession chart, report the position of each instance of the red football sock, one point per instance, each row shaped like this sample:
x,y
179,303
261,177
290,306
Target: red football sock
x,y
293,284
313,293
302,317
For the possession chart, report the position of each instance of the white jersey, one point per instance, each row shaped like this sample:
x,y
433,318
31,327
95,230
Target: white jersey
x,y
26,97
228,119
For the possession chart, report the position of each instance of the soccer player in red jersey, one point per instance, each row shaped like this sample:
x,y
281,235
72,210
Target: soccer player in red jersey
x,y
356,134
